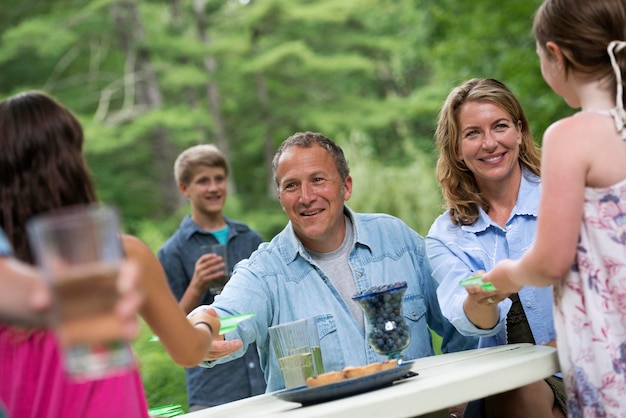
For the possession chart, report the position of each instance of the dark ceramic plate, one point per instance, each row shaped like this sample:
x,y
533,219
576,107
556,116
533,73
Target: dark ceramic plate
x,y
308,396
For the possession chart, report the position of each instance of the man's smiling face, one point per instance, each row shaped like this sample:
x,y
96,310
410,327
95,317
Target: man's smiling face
x,y
312,195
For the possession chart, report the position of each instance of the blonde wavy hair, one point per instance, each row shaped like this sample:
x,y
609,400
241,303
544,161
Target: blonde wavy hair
x,y
458,184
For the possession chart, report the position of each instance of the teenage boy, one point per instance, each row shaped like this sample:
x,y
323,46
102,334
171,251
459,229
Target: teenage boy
x,y
201,173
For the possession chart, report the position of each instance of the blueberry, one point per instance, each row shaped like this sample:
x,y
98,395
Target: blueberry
x,y
387,332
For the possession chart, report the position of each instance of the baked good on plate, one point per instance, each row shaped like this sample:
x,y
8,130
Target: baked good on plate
x,y
325,379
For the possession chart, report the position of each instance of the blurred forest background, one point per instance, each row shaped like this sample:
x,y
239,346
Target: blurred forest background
x,y
150,78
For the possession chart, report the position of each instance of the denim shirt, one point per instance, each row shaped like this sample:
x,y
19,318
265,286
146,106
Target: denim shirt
x,y
456,251
178,256
281,283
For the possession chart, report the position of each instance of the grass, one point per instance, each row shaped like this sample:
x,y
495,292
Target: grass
x,y
163,380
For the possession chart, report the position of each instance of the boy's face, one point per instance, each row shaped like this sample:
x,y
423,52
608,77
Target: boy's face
x,y
207,190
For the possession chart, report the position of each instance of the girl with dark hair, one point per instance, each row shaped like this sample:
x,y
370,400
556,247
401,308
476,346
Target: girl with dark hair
x,y
41,169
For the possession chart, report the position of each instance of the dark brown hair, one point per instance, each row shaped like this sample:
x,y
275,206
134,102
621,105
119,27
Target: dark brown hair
x,y
583,30
41,164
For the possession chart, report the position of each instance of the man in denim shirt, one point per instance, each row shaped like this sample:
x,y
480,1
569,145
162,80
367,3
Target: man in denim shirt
x,y
201,173
326,254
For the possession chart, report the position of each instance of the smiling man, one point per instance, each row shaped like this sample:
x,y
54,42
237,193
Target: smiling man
x,y
201,173
325,255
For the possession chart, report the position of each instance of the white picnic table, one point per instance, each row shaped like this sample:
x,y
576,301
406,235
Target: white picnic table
x,y
444,380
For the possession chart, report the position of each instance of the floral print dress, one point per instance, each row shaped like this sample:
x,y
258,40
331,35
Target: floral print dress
x,y
590,309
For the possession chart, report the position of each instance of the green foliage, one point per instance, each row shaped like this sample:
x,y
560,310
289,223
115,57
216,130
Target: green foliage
x,y
437,340
54,40
371,74
405,188
492,39
163,380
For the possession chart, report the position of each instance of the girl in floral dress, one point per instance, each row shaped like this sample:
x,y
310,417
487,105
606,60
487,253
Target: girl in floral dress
x,y
581,237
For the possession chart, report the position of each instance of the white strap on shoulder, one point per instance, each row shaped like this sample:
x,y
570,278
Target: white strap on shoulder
x,y
618,112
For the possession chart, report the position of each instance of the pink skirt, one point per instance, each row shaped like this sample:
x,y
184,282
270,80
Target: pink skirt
x,y
34,385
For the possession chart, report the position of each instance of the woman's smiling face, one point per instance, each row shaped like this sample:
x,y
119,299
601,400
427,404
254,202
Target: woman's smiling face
x,y
489,141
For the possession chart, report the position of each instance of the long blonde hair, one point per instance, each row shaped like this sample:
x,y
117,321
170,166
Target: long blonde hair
x,y
458,183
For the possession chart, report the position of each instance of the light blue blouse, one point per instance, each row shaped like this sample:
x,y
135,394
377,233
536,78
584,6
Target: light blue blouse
x,y
455,252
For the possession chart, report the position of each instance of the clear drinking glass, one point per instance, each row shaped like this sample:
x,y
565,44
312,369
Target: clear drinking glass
x,y
222,250
387,331
297,348
79,252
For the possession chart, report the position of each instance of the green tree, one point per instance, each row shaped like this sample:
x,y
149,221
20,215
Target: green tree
x,y
150,78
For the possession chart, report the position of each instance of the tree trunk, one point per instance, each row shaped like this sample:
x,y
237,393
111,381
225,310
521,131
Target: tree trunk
x,y
190,92
212,88
143,91
264,101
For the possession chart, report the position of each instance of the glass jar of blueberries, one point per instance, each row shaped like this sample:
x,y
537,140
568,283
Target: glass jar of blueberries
x,y
387,332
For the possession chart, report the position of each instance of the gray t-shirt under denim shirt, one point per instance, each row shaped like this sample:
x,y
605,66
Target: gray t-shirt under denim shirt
x,y
336,266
